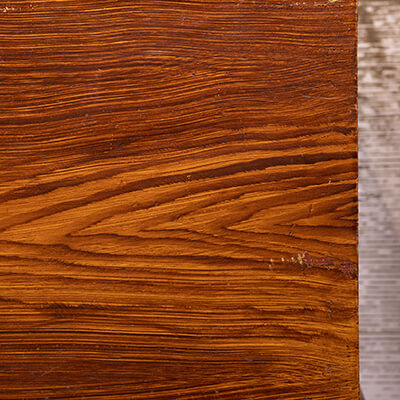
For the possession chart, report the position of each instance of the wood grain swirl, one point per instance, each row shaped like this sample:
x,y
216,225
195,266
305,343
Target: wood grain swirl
x,y
178,200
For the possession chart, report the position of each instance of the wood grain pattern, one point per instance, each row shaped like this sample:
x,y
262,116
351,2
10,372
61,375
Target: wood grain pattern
x,y
178,200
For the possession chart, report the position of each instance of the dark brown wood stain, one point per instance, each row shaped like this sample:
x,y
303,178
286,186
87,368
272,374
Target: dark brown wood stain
x,y
178,191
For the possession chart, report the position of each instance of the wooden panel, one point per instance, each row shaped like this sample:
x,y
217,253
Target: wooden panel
x,y
178,200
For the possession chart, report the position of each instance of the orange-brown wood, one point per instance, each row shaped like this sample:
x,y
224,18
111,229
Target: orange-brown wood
x,y
178,200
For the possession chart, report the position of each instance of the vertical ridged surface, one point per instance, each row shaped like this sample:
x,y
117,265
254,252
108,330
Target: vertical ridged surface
x,y
379,120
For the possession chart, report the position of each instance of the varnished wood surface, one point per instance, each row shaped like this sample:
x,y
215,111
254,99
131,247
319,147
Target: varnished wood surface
x,y
178,200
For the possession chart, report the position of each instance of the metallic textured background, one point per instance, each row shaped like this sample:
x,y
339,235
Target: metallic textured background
x,y
379,133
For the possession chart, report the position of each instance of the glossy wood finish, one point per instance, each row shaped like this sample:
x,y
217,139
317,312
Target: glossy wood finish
x,y
178,200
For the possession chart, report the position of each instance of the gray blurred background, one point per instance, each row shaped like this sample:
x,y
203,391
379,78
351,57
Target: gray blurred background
x,y
379,186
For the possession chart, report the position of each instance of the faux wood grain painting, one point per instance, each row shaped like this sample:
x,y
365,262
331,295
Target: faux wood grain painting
x,y
178,200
